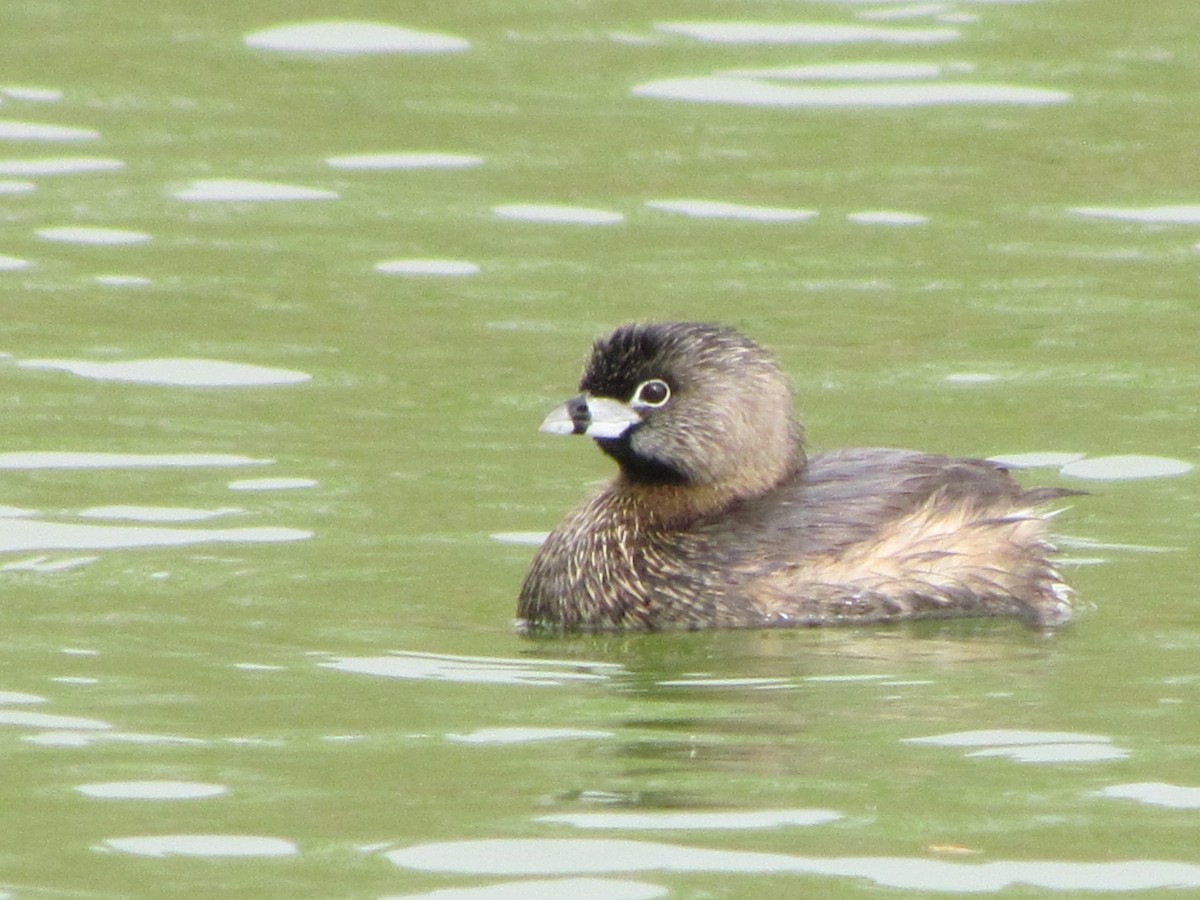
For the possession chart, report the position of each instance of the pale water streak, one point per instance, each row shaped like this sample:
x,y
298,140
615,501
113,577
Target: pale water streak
x,y
721,209
387,161
448,267
152,790
22,535
1156,793
1037,459
547,889
67,459
556,213
31,94
350,37
581,856
475,669
506,736
1029,746
42,131
23,719
1180,215
176,372
59,165
752,92
696,820
855,71
19,697
215,846
272,484
157,513
88,234
1126,467
805,33
886,217
238,190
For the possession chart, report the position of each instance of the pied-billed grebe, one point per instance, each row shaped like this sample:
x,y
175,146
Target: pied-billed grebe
x,y
718,520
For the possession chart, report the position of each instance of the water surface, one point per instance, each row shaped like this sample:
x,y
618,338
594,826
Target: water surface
x,y
286,298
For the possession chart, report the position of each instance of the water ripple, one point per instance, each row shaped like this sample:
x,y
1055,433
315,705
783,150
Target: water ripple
x,y
697,820
805,33
348,37
582,856
174,372
40,131
236,190
475,669
201,845
752,92
152,790
551,889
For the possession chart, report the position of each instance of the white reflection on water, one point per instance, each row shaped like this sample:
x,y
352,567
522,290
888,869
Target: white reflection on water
x,y
1056,753
22,718
762,684
27,534
1127,467
584,856
19,697
805,33
475,669
557,213
236,190
31,94
855,71
971,378
86,234
1036,460
1156,793
342,37
8,186
157,513
1185,214
522,538
696,820
752,92
717,209
1029,746
122,280
67,459
427,267
553,889
526,735
272,484
152,790
378,161
886,217
75,738
174,372
40,131
201,845
46,564
59,165
13,263
1007,736
910,11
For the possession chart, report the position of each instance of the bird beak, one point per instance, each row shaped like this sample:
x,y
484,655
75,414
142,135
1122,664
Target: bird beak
x,y
597,417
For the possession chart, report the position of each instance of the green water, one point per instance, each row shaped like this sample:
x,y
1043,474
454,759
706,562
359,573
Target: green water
x,y
351,683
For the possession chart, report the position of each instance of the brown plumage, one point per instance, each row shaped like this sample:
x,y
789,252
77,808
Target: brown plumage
x,y
717,519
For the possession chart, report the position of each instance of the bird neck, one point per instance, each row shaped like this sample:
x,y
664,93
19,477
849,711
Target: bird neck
x,y
658,506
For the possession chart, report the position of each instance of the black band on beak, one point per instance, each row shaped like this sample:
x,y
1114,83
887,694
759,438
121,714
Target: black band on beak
x,y
581,416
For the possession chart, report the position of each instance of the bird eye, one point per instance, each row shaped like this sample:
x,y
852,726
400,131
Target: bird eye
x,y
654,392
